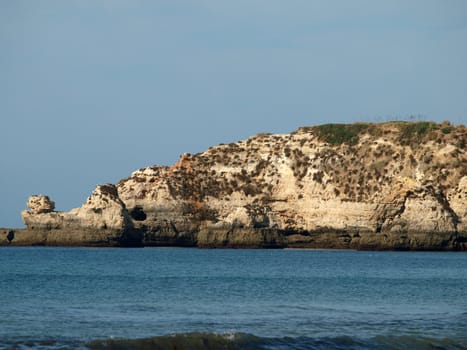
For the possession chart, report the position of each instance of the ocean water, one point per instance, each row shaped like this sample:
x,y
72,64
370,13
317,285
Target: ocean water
x,y
170,298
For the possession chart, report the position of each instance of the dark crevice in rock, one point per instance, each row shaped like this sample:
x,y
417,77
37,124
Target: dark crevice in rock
x,y
10,236
138,214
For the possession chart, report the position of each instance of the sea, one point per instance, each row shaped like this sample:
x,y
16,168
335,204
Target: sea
x,y
187,298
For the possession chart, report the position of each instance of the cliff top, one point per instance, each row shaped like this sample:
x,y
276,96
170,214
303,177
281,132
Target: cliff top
x,y
359,160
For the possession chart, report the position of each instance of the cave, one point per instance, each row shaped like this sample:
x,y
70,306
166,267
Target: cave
x,y
138,214
10,236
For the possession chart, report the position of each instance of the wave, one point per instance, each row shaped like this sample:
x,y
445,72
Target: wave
x,y
241,341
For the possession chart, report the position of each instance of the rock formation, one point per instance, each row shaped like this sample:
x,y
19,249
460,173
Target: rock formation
x,y
40,204
101,221
395,185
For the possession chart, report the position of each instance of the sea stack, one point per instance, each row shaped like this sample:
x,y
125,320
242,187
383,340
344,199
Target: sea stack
x,y
396,185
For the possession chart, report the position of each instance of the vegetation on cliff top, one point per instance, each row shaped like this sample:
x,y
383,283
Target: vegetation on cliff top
x,y
341,133
410,133
372,157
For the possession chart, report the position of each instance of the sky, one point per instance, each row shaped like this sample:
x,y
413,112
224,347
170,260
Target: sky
x,y
91,90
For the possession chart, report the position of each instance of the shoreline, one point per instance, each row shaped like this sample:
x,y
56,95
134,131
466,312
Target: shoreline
x,y
324,241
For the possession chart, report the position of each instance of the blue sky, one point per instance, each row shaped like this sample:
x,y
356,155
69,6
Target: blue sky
x,y
91,90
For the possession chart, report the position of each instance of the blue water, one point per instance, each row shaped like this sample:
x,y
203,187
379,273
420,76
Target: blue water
x,y
72,297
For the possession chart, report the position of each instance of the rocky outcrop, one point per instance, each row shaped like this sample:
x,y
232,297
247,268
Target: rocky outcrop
x,y
102,220
360,186
40,204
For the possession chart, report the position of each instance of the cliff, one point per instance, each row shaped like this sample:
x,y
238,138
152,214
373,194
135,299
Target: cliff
x,y
395,185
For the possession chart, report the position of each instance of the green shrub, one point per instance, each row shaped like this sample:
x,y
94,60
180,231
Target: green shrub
x,y
337,134
414,132
446,130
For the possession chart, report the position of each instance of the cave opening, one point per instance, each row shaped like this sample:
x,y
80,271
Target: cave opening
x,y
138,214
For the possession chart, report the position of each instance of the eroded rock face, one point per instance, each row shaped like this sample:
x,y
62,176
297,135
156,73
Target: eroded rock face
x,y
103,209
40,204
101,220
360,186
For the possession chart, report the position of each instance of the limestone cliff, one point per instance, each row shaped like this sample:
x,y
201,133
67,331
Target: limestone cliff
x,y
394,185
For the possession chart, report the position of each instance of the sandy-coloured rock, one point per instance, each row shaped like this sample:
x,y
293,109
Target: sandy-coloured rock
x,y
40,204
101,221
393,185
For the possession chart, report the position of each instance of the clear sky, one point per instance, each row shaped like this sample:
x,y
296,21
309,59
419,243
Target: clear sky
x,y
91,90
